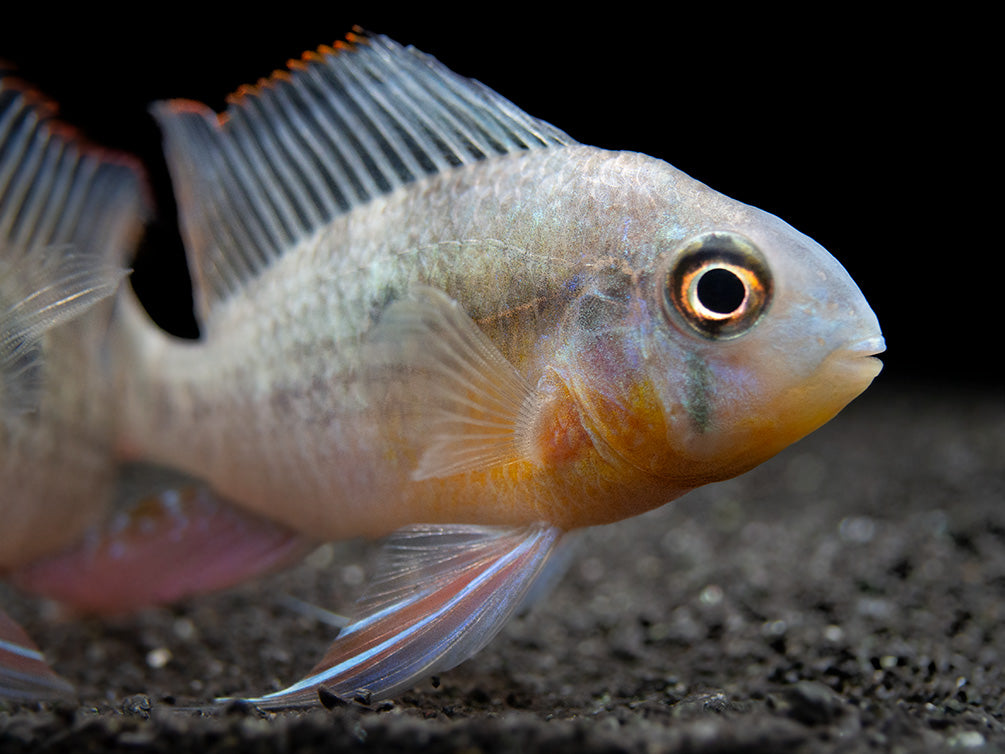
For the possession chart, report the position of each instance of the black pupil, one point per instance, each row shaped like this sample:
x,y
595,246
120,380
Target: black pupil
x,y
721,291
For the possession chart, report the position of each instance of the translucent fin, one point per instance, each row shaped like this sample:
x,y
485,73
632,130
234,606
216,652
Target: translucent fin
x,y
160,548
24,673
342,126
441,593
319,614
69,214
553,572
39,292
473,400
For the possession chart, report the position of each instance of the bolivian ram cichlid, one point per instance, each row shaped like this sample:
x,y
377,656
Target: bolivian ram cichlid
x,y
431,316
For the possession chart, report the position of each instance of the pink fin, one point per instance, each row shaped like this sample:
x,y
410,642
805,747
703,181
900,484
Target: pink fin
x,y
167,546
441,594
24,673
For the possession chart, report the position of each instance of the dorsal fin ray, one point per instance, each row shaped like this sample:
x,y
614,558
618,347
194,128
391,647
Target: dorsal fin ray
x,y
342,126
70,213
58,190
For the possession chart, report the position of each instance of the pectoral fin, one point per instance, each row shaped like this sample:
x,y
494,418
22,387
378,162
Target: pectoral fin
x,y
440,594
24,673
464,404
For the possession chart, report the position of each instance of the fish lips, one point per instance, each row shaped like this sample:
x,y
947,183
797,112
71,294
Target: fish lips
x,y
860,358
869,348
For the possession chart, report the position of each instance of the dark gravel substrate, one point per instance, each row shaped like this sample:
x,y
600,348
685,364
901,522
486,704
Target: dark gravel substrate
x,y
848,596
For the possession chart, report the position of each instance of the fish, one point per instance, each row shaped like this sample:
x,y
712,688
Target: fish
x,y
430,318
70,213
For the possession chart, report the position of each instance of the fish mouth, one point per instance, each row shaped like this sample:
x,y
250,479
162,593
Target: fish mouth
x,y
863,355
870,347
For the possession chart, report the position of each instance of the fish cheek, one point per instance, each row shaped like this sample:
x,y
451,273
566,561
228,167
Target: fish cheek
x,y
736,409
698,395
698,381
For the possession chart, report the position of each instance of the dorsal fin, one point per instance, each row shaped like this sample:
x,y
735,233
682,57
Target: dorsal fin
x,y
69,214
340,127
56,189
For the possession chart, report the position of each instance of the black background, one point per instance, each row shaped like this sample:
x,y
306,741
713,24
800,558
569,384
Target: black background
x,y
865,132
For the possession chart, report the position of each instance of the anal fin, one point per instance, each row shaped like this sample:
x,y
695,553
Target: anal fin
x,y
164,546
441,593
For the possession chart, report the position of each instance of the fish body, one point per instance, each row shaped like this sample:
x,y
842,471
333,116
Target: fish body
x,y
430,317
308,398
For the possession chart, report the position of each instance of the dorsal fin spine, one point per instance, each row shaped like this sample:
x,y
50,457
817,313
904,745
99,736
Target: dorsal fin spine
x,y
361,156
341,184
295,204
252,174
379,109
324,197
371,125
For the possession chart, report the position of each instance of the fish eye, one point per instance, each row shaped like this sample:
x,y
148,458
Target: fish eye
x,y
718,284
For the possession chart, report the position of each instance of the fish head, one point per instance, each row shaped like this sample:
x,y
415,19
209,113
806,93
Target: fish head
x,y
724,336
